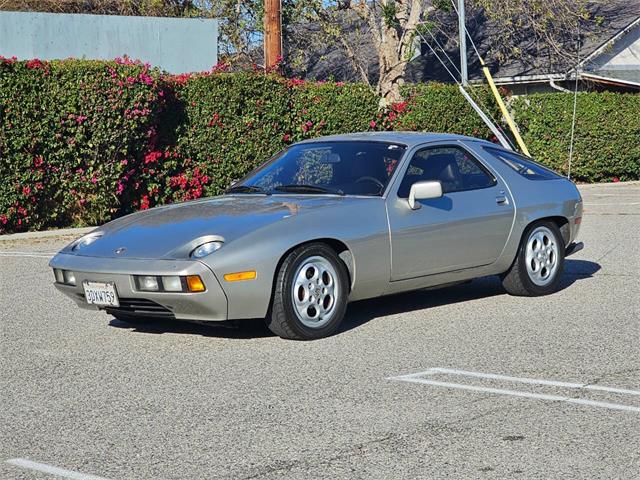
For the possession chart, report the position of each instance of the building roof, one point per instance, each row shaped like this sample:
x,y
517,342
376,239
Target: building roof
x,y
617,15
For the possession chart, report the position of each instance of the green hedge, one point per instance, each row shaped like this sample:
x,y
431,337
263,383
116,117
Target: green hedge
x,y
82,142
73,136
436,107
607,133
225,125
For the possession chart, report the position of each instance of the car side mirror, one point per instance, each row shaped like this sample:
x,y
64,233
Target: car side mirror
x,y
424,191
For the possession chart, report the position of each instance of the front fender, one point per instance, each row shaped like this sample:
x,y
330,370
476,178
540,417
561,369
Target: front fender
x,y
361,225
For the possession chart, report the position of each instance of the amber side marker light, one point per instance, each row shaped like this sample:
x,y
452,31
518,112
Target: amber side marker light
x,y
194,282
236,277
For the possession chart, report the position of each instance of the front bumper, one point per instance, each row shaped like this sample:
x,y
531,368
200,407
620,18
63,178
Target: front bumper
x,y
210,305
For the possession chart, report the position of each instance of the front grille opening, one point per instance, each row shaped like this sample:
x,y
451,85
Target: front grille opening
x,y
142,307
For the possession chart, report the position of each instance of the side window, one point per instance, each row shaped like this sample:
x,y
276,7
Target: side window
x,y
524,166
453,167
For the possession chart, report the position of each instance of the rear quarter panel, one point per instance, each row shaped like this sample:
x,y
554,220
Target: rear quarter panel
x,y
534,200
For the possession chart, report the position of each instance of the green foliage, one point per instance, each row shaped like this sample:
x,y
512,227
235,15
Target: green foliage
x,y
331,108
389,12
82,142
72,136
436,107
230,123
607,136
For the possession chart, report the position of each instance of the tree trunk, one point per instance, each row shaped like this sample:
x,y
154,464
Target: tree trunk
x,y
392,71
394,38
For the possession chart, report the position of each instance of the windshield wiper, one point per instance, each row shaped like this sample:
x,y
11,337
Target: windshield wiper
x,y
246,189
307,189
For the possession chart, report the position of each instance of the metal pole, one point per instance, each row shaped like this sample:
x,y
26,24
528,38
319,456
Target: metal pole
x,y
463,43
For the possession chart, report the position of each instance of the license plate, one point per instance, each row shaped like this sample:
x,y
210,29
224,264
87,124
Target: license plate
x,y
102,294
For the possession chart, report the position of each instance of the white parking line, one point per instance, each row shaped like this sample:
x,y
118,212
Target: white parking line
x,y
11,253
50,469
419,378
532,381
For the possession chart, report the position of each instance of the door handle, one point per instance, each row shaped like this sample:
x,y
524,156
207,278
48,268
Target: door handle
x,y
502,200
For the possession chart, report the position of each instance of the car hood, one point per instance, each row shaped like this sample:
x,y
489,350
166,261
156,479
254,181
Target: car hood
x,y
173,231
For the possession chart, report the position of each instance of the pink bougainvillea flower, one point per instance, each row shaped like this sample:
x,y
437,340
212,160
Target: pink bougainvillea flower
x,y
26,191
3,219
615,179
146,79
221,66
144,202
94,179
152,157
372,124
286,137
399,107
35,64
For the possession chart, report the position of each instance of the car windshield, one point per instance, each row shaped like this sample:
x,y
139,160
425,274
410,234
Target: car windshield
x,y
339,168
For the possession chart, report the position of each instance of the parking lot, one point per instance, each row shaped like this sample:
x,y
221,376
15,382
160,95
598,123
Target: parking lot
x,y
504,386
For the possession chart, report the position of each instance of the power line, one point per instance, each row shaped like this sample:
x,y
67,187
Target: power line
x,y
492,124
477,98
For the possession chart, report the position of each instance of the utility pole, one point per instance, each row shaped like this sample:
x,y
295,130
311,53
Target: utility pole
x,y
272,33
463,43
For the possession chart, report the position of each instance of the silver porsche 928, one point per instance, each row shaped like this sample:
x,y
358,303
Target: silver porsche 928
x,y
327,221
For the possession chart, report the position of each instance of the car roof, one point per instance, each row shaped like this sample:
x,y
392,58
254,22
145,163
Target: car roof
x,y
406,138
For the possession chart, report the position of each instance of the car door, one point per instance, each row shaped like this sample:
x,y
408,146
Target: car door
x,y
467,227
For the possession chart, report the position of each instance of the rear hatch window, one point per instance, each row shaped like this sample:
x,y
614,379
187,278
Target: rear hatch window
x,y
523,165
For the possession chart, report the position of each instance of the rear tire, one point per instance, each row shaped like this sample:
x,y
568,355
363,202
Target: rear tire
x,y
538,267
310,294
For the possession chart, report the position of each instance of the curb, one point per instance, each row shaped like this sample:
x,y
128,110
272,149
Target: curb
x,y
632,183
45,234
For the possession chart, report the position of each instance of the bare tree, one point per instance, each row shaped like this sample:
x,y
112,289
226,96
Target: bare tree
x,y
532,32
391,26
540,31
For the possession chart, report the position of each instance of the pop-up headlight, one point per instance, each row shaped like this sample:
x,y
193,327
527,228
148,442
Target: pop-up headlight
x,y
86,241
206,249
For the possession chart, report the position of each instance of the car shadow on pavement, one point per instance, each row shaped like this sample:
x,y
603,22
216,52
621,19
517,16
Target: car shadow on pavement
x,y
241,330
361,312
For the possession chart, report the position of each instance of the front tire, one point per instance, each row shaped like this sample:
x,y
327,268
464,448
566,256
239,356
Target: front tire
x,y
310,294
539,264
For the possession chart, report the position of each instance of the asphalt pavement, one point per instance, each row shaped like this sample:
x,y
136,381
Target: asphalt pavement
x,y
504,387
